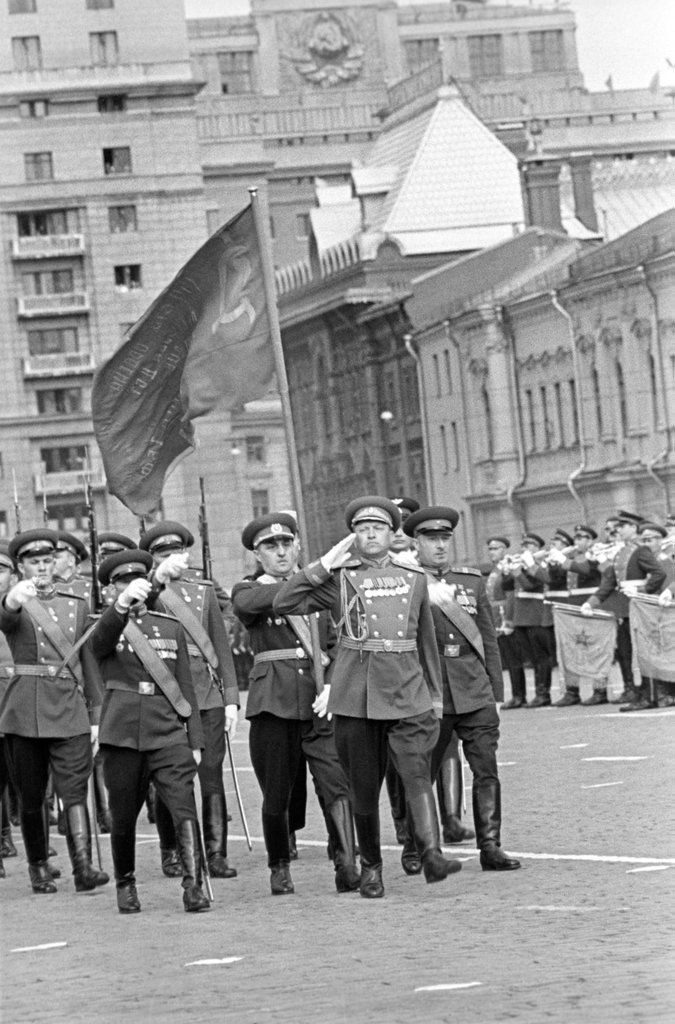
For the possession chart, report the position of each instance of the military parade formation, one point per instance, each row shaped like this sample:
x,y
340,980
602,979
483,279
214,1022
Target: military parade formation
x,y
372,663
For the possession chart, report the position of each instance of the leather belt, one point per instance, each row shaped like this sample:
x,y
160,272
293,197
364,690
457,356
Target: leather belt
x,y
388,646
49,671
282,654
144,686
455,650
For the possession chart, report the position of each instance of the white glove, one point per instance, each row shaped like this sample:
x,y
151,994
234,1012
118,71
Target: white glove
x,y
19,594
320,705
666,598
340,554
556,557
135,593
197,755
94,740
231,719
628,589
586,608
527,558
173,567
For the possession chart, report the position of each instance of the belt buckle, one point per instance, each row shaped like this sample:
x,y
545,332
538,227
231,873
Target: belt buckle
x,y
51,670
299,653
388,645
451,651
146,688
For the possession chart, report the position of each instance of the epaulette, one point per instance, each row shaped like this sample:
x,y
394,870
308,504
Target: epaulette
x,y
404,564
162,615
468,569
66,593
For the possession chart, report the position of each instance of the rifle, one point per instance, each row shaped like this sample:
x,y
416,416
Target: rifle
x,y
204,534
45,510
17,506
97,597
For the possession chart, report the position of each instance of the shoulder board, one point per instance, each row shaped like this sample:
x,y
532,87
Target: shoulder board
x,y
403,564
66,593
162,615
467,569
352,563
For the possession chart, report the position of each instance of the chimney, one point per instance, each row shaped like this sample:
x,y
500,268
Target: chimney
x,y
540,178
582,190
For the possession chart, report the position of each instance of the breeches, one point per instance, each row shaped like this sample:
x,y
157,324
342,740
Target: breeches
x,y
479,733
211,767
30,760
127,773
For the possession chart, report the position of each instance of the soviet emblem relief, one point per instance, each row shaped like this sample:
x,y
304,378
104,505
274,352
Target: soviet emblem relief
x,y
331,53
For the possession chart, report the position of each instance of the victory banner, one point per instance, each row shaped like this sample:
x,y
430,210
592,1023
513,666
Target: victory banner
x,y
585,643
653,634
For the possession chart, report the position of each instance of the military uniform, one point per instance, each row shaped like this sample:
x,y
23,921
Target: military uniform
x,y
533,625
502,603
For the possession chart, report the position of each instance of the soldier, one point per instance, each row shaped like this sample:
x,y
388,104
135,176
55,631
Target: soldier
x,y
633,562
532,622
385,692
472,672
7,579
502,608
654,537
150,728
283,703
70,553
49,710
111,543
191,599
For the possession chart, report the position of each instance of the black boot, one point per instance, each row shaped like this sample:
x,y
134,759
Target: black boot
x,y
642,700
277,844
487,816
569,698
123,849
214,812
347,875
189,850
78,837
150,797
449,788
597,697
40,878
542,687
368,836
411,862
7,847
292,846
281,882
101,794
396,794
35,842
46,818
171,865
424,820
518,690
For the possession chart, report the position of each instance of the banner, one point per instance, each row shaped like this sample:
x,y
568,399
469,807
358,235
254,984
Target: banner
x,y
652,631
585,643
203,344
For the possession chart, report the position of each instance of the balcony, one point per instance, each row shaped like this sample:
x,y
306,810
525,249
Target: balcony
x,y
33,247
69,481
63,303
58,364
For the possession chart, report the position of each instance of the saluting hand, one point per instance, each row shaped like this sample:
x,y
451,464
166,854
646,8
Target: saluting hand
x,y
340,554
173,567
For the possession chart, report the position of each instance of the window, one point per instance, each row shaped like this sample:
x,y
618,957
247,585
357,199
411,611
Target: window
x,y
128,277
236,72
47,222
117,160
575,412
114,103
560,414
455,444
255,449
531,421
34,108
38,166
652,388
272,228
260,502
487,413
66,459
419,53
103,48
100,5
448,372
69,516
22,6
623,405
4,531
59,401
302,225
48,282
27,53
121,219
444,448
546,51
437,375
53,340
597,395
485,56
547,422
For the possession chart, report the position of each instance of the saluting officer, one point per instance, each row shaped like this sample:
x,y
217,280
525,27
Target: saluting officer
x,y
49,710
191,599
386,694
472,672
150,727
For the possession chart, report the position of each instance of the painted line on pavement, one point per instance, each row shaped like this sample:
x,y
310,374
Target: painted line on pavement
x,y
602,785
45,945
448,987
554,908
652,867
619,757
574,746
211,962
506,764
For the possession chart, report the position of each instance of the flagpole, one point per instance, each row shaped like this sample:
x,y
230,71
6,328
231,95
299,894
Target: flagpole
x,y
264,245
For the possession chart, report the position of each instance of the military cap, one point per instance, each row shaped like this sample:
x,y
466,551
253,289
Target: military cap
x,y
534,538
108,543
499,540
166,536
273,526
405,504
5,557
564,536
629,517
586,531
33,542
433,519
372,508
654,528
129,562
69,542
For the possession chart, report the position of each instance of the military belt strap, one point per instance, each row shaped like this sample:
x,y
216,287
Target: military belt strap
x,y
57,638
282,654
191,625
388,646
156,669
50,671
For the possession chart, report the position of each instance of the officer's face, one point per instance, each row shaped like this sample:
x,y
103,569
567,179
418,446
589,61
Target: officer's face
x,y
64,563
39,568
625,531
373,539
496,552
401,541
433,549
277,557
582,541
651,541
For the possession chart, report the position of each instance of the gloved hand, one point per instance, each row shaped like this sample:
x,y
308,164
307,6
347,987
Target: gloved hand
x,y
231,720
20,593
136,593
666,598
586,609
527,558
556,557
320,705
340,554
94,740
173,567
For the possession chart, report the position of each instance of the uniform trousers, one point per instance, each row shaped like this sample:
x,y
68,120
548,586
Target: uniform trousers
x,y
479,733
363,745
624,653
127,772
30,760
211,766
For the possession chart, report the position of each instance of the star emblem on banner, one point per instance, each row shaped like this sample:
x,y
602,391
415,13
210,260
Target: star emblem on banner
x,y
582,639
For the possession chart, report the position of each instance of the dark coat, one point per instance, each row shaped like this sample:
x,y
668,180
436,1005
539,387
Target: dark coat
x,y
633,562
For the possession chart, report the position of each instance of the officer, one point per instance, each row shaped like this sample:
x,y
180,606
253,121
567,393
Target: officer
x,y
49,710
532,622
150,728
472,672
386,694
69,555
502,608
7,579
191,599
283,705
110,543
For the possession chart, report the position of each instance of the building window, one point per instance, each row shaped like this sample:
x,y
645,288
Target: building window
x,y
547,51
122,219
117,160
485,56
128,277
115,103
65,459
34,108
437,375
448,372
575,412
47,222
255,449
560,413
260,502
621,393
545,416
48,282
455,444
52,341
531,421
22,6
69,516
302,225
444,448
419,53
27,53
100,5
39,166
103,49
59,401
236,72
487,414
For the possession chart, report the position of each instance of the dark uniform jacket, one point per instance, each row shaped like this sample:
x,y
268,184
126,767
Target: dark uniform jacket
x,y
528,592
386,603
283,687
467,642
131,718
633,562
573,581
199,597
80,586
54,705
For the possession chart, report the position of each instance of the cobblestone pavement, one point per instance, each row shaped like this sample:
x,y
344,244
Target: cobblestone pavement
x,y
583,933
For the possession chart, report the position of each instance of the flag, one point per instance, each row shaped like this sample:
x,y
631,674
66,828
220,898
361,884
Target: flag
x,y
609,83
655,84
653,633
585,643
203,344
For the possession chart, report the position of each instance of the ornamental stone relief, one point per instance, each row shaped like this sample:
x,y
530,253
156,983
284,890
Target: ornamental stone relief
x,y
324,49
